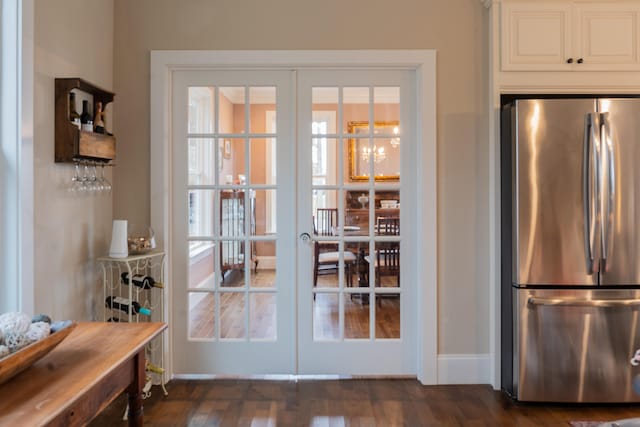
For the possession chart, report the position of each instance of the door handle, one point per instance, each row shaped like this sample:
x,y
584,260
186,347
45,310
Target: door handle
x,y
609,189
305,237
591,190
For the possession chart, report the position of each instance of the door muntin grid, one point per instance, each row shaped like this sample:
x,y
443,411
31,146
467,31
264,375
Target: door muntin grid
x,y
222,210
367,126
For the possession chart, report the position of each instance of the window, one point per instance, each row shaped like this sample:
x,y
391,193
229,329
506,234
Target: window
x,y
271,172
202,168
323,159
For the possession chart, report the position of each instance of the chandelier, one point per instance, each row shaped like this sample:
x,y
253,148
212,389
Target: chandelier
x,y
395,141
377,153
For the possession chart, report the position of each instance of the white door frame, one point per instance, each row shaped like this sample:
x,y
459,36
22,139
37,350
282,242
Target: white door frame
x,y
164,63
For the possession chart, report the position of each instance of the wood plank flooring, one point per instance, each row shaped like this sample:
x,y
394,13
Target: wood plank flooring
x,y
262,312
353,403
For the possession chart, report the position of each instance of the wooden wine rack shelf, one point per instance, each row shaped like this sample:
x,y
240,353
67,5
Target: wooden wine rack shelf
x,y
72,144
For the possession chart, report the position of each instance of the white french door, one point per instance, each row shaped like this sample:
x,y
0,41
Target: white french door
x,y
255,154
359,319
233,245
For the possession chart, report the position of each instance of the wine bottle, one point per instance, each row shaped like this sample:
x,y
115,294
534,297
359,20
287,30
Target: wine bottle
x,y
74,117
85,117
118,303
153,368
98,122
141,281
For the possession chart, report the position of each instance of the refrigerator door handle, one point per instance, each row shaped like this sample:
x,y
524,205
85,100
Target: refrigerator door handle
x,y
609,189
591,190
627,302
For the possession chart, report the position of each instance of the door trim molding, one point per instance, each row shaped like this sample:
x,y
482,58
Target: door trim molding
x,y
422,62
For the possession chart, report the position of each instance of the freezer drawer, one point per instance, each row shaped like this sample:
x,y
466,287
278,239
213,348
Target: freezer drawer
x,y
575,345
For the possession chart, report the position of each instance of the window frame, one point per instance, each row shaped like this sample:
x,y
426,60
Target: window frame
x,y
16,147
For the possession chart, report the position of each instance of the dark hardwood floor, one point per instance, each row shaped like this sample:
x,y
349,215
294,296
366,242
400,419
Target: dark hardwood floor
x,y
262,312
353,403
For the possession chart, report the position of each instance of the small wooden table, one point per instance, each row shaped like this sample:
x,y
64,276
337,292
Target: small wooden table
x,y
80,377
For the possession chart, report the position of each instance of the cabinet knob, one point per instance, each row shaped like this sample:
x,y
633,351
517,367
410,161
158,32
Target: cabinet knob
x,y
580,60
570,61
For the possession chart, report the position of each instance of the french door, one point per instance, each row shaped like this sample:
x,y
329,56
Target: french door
x,y
357,319
256,157
233,246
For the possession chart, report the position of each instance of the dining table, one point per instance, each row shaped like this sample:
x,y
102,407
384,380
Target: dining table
x,y
361,248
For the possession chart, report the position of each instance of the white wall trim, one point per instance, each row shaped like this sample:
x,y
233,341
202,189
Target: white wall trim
x,y
494,200
464,368
266,262
164,63
27,241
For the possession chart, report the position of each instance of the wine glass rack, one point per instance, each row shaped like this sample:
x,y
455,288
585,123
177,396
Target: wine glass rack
x,y
151,265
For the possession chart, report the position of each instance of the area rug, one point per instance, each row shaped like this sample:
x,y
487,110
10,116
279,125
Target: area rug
x,y
629,422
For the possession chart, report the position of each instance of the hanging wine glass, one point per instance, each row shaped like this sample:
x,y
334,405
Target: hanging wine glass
x,y
96,185
86,178
106,185
76,180
101,183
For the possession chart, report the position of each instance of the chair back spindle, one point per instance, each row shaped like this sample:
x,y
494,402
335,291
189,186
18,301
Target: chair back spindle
x,y
326,220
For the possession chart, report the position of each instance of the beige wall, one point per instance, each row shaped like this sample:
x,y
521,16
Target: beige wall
x,y
456,29
73,38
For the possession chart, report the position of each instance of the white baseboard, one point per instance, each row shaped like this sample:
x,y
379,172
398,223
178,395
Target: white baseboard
x,y
266,262
464,369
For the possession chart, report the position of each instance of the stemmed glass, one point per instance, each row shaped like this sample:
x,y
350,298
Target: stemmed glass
x,y
89,180
96,185
106,185
86,178
76,181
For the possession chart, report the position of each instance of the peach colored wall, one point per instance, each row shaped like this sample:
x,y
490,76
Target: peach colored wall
x,y
360,113
257,168
235,114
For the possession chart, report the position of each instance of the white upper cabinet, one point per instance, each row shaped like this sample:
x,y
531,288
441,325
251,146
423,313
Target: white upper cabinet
x,y
570,36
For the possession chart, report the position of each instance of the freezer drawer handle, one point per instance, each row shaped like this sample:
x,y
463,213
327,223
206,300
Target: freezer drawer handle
x,y
630,302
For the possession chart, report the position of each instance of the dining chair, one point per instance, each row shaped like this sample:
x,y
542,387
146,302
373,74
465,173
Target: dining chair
x,y
327,253
388,225
386,258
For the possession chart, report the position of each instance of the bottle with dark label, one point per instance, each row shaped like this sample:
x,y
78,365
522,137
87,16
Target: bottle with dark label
x,y
141,281
124,304
85,117
74,117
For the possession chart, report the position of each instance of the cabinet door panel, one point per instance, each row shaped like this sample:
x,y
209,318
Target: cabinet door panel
x,y
536,36
607,36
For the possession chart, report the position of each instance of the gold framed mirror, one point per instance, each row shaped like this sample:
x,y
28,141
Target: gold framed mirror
x,y
385,153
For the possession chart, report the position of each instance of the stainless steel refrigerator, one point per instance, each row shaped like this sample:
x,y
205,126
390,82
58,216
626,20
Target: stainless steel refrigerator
x,y
570,245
